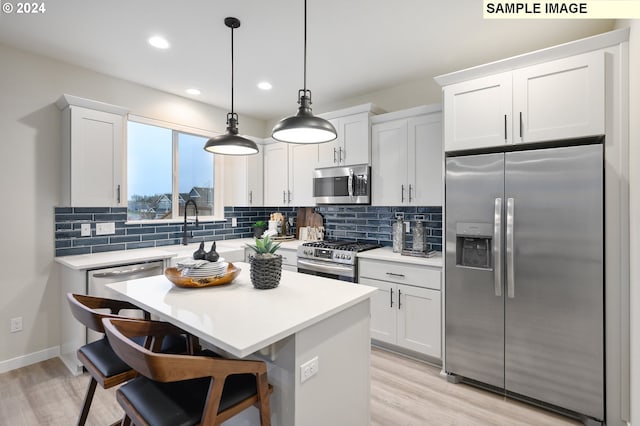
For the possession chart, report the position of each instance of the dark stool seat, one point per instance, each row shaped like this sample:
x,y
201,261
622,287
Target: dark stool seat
x,y
98,358
105,360
183,402
184,390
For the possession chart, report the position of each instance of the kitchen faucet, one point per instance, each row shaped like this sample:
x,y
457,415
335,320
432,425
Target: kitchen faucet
x,y
184,228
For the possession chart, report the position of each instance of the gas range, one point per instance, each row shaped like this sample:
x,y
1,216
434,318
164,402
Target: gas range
x,y
338,251
332,258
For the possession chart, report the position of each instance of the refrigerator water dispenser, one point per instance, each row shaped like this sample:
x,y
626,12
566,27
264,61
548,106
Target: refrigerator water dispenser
x,y
473,245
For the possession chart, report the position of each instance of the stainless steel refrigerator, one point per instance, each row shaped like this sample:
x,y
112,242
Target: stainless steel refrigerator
x,y
525,274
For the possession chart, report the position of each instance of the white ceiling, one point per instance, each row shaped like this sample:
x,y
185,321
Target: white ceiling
x,y
354,46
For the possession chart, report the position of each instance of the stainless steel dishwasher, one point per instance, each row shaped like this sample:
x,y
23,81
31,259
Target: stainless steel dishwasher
x,y
97,279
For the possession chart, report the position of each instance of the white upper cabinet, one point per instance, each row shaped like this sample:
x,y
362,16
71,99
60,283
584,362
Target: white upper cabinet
x,y
303,159
94,153
276,174
353,144
407,156
288,174
243,179
390,151
555,100
477,113
560,99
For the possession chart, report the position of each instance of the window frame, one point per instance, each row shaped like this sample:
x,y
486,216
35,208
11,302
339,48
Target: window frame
x,y
218,165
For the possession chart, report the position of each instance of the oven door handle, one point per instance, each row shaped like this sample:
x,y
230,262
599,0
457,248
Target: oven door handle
x,y
326,267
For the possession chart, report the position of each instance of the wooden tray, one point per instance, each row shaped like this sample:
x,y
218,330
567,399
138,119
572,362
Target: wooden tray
x,y
174,275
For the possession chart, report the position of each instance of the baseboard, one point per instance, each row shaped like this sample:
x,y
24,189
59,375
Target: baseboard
x,y
28,359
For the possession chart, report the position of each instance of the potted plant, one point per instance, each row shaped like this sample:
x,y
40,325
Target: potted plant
x,y
265,265
258,228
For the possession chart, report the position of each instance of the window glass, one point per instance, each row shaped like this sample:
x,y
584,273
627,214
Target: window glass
x,y
153,187
195,173
149,180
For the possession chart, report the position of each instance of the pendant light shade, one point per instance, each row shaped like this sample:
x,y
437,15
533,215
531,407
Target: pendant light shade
x,y
304,127
231,143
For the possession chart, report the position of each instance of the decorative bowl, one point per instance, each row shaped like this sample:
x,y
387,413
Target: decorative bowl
x,y
175,276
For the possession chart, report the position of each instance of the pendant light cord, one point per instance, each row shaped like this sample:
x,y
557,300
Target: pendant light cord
x,y
232,70
305,48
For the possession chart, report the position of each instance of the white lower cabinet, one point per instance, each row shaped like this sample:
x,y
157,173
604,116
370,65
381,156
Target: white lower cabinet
x,y
404,312
289,258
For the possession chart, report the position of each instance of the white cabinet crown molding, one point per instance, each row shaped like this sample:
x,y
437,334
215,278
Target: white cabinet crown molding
x,y
69,100
571,48
406,113
368,107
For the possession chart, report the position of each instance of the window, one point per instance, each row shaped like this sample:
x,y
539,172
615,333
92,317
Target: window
x,y
165,169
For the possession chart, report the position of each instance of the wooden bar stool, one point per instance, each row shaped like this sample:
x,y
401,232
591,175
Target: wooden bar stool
x,y
184,390
99,359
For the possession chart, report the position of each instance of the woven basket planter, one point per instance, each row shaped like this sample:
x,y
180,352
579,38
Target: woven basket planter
x,y
265,271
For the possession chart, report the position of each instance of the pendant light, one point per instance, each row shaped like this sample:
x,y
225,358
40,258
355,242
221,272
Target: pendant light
x,y
231,143
304,127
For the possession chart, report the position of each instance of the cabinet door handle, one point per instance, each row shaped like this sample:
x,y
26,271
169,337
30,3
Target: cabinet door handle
x,y
250,197
391,293
409,192
402,193
340,155
334,155
118,194
395,275
521,131
289,196
399,298
505,127
284,197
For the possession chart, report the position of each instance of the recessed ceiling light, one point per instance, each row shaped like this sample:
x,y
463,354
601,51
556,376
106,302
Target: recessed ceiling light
x,y
264,85
159,42
193,91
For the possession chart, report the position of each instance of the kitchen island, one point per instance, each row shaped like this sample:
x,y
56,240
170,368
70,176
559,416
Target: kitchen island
x,y
304,318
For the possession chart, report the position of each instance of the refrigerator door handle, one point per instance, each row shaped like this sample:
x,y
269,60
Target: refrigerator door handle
x,y
510,248
497,247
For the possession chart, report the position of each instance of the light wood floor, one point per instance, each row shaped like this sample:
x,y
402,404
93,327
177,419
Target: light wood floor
x,y
403,392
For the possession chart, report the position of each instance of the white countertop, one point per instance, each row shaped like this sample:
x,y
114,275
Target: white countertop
x,y
239,318
386,253
121,257
113,258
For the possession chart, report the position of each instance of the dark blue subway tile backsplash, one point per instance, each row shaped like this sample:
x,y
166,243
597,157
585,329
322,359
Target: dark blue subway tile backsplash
x,y
362,223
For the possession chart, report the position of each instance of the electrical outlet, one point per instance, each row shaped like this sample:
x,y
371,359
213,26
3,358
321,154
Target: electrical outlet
x,y
106,228
85,230
234,222
16,324
399,215
309,369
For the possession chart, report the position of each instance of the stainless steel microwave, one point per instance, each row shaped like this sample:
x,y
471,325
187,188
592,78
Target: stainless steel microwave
x,y
342,185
